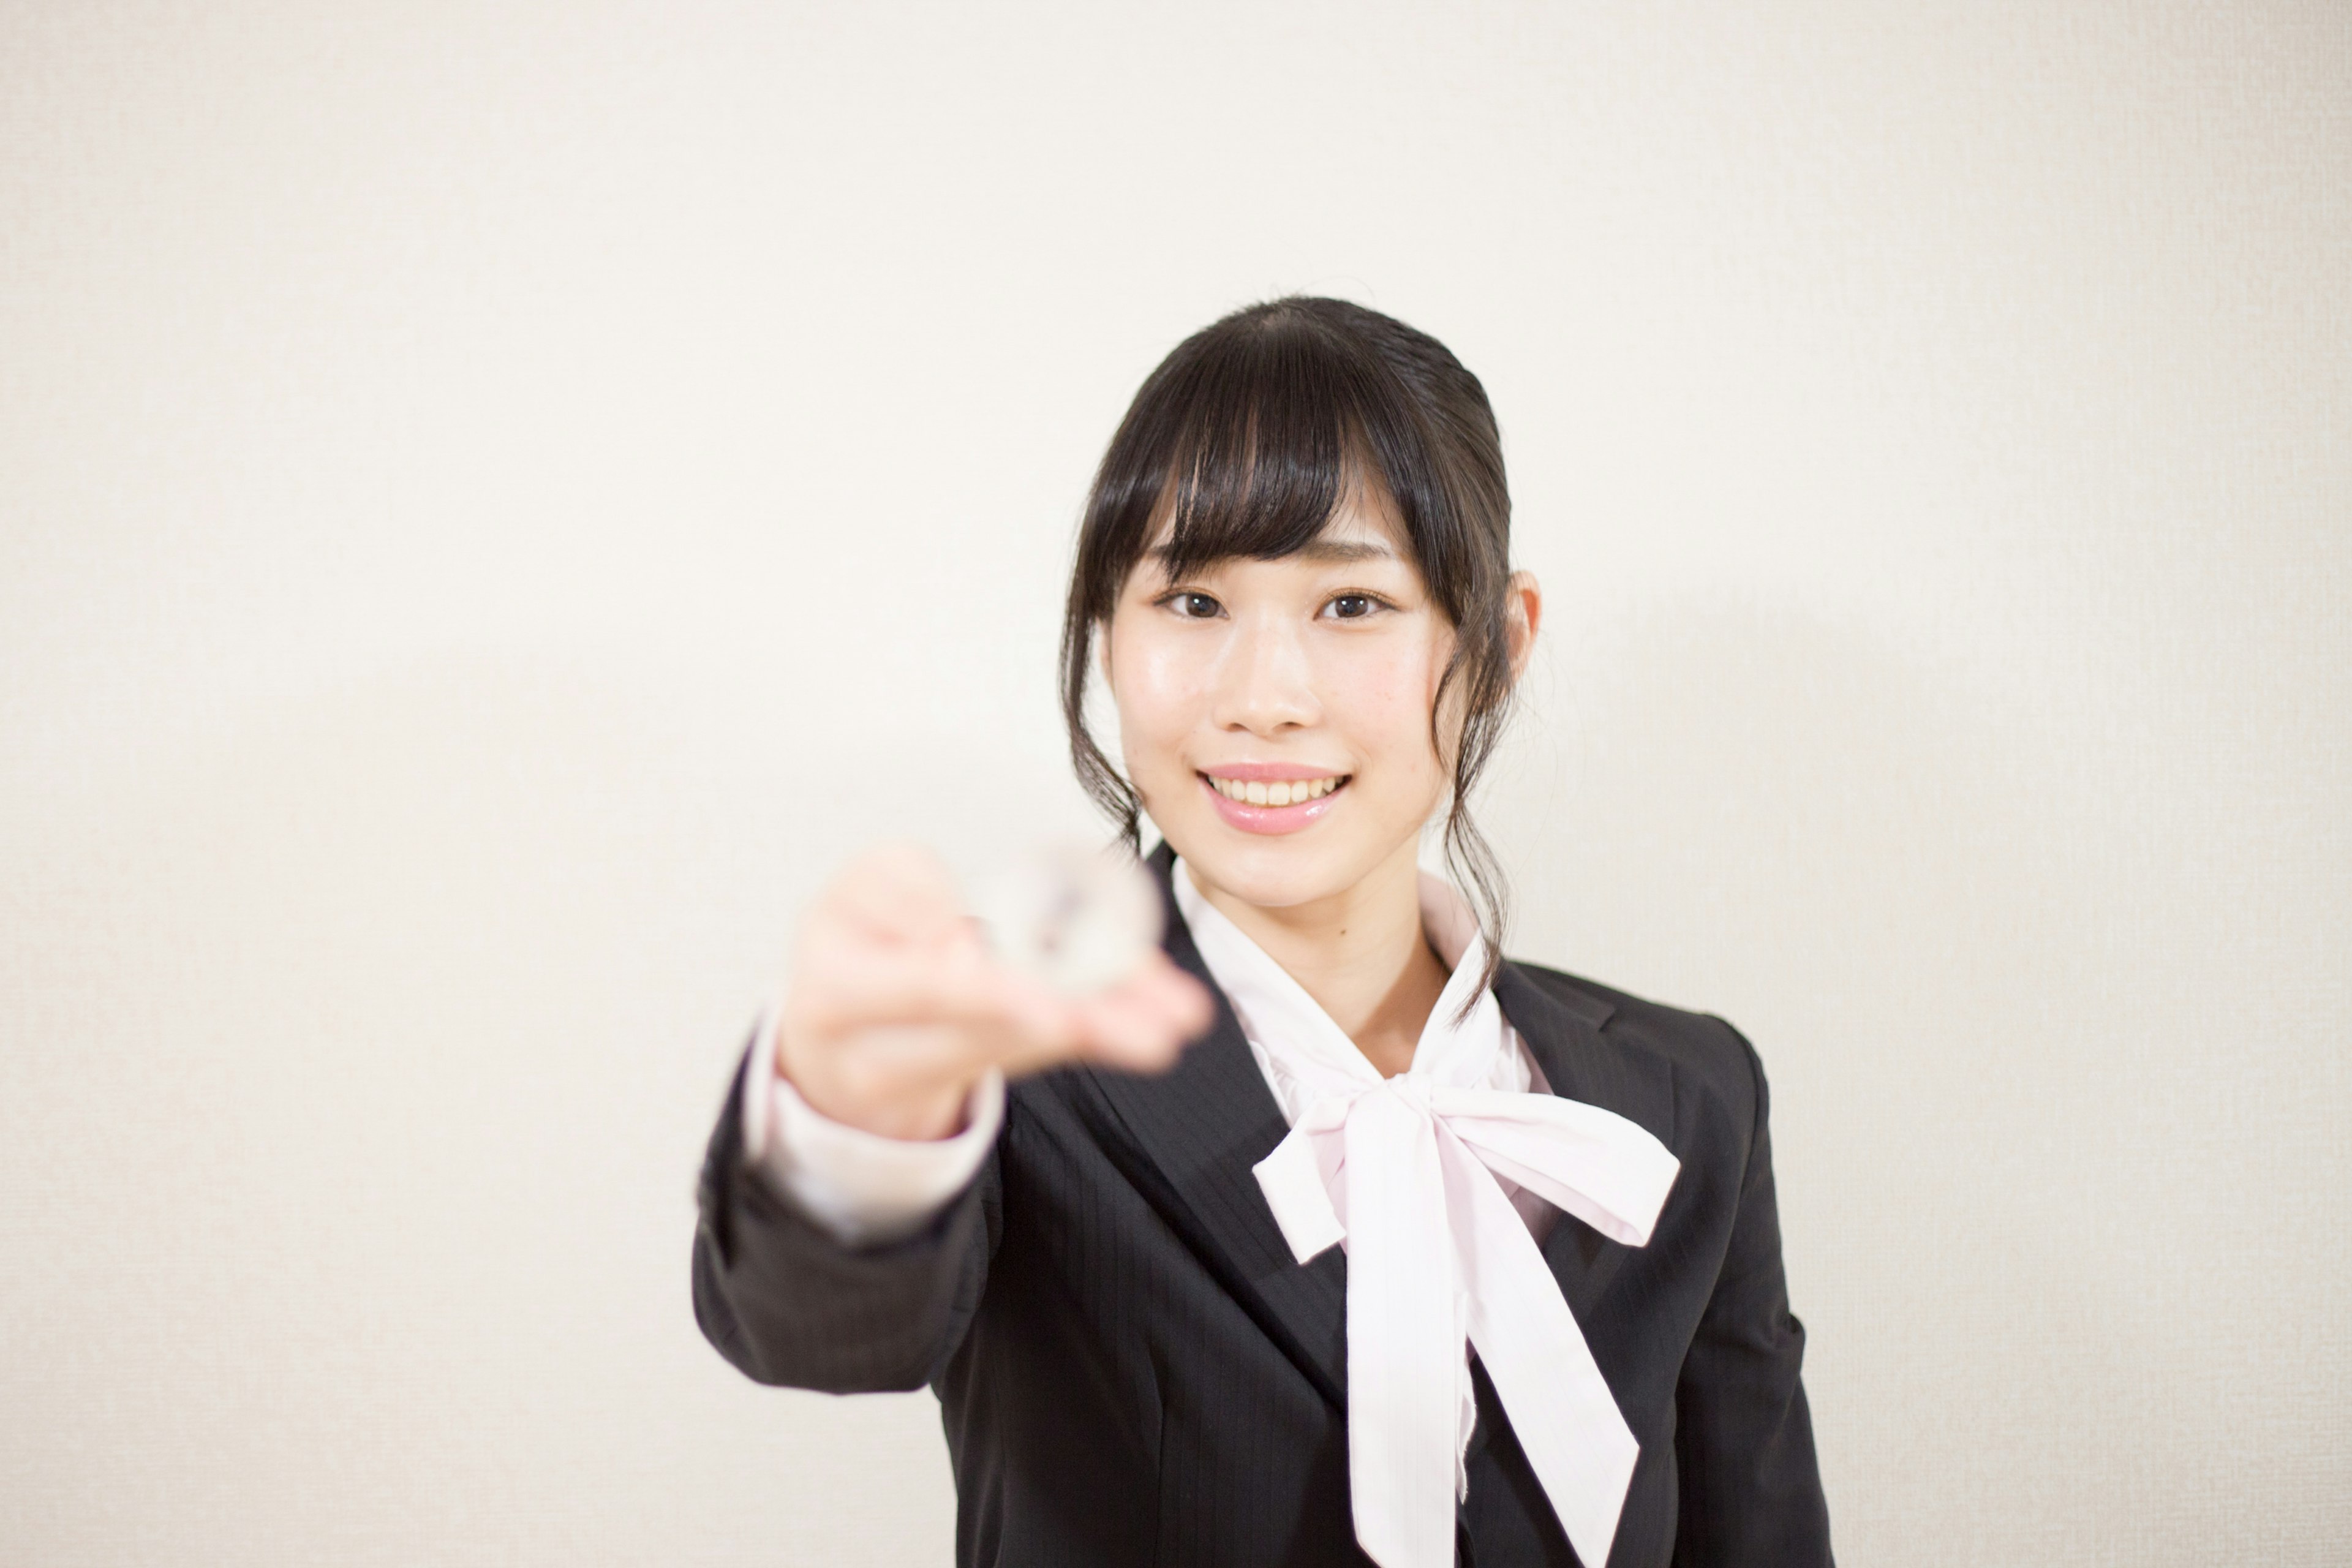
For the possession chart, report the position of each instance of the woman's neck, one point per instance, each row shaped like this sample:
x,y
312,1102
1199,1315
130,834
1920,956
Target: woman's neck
x,y
1360,954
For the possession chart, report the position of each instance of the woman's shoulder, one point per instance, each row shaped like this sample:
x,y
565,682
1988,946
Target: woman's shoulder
x,y
1708,1053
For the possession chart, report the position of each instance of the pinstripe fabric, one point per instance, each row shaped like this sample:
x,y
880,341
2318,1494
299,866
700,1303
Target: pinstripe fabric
x,y
1132,1370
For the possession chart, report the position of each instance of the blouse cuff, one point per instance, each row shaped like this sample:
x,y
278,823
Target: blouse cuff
x,y
863,1188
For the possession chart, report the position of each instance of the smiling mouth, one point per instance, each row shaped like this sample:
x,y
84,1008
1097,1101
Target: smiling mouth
x,y
1281,791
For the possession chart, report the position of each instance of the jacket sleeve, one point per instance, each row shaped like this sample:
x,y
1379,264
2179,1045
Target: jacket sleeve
x,y
788,1303
1751,1487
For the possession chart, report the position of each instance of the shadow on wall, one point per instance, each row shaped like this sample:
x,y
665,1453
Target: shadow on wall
x,y
2029,1122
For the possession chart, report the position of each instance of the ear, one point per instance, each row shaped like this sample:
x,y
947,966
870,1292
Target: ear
x,y
1522,614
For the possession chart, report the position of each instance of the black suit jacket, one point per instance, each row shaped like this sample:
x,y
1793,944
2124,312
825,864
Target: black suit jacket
x,y
1133,1369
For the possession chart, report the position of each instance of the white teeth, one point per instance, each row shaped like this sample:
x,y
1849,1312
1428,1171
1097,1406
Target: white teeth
x,y
1289,792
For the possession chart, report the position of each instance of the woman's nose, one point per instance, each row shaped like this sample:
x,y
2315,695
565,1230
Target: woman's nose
x,y
1265,682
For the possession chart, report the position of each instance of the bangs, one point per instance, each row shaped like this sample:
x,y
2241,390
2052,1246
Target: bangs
x,y
1248,443
1261,464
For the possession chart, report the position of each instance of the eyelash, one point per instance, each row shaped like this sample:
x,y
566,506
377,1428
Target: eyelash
x,y
1169,599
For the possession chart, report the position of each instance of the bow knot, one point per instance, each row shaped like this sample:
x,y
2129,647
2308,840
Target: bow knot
x,y
1406,1174
1403,1173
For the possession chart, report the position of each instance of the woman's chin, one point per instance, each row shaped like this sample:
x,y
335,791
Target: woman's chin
x,y
1270,871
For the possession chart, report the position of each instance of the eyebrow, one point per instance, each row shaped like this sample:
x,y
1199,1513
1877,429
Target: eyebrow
x,y
1339,552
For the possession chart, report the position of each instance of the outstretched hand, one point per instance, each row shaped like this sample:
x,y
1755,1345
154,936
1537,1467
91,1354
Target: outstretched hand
x,y
896,1007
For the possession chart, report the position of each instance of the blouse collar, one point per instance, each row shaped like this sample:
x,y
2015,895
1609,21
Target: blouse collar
x,y
1279,1016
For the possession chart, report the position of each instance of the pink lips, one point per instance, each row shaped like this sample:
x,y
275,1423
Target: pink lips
x,y
1270,818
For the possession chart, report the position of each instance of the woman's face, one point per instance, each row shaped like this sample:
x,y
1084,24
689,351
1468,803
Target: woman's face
x,y
1274,715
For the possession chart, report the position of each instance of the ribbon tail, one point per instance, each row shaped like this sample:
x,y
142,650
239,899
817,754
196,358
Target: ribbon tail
x,y
1403,1360
1607,1171
1560,1408
1293,1184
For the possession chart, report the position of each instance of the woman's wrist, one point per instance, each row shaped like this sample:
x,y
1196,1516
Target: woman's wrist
x,y
885,1105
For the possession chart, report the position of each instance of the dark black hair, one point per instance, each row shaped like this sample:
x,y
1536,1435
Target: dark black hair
x,y
1260,422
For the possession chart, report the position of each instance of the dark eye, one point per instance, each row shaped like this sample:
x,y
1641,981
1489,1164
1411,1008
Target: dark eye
x,y
1353,606
1194,606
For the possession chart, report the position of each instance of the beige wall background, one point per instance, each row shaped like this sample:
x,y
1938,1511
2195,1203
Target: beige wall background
x,y
495,502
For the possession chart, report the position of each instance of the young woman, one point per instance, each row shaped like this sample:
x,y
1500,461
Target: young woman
x,y
1414,1252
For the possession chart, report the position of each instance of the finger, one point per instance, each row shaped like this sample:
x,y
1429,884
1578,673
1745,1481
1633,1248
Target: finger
x,y
899,889
1172,993
855,984
1027,1007
876,1055
833,943
1130,1030
1185,993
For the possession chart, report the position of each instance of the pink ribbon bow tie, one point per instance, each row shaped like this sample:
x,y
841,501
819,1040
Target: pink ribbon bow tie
x,y
1404,1173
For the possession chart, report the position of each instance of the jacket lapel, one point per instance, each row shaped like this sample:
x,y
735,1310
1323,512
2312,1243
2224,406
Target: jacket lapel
x,y
1203,1124
1563,1034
